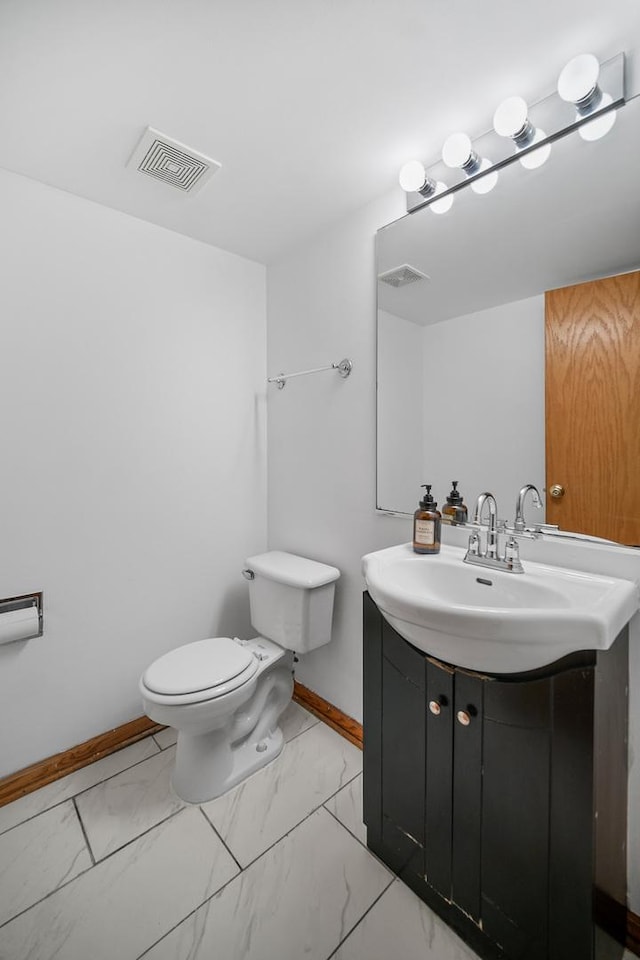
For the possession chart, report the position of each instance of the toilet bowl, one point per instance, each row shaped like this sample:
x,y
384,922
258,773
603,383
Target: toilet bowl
x,y
225,695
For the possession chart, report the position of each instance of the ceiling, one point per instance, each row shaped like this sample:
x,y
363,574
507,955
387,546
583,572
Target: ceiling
x,y
311,106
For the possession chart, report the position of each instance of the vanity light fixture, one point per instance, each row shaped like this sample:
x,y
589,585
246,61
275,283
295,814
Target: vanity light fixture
x,y
578,84
511,119
595,91
413,179
458,154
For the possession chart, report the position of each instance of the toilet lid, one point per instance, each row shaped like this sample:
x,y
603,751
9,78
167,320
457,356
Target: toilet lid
x,y
197,666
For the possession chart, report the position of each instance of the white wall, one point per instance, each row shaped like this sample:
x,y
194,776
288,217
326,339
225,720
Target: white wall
x,y
439,420
322,437
490,400
133,474
321,464
400,399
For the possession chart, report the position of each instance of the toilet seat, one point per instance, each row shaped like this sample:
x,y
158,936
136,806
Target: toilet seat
x,y
203,670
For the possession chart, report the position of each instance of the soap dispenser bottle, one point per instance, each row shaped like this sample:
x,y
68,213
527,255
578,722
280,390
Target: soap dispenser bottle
x,y
426,524
454,511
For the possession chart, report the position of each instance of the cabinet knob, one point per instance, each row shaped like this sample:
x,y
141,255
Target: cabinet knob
x,y
463,717
435,707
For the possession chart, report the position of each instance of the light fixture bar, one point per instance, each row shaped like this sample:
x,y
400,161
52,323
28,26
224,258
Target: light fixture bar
x,y
551,113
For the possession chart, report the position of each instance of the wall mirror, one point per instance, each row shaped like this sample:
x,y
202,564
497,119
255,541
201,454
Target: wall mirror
x,y
461,346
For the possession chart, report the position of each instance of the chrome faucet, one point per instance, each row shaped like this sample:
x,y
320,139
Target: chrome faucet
x,y
492,532
510,562
519,524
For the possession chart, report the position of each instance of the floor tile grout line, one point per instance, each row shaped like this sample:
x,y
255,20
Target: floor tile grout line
x,y
300,732
84,832
139,836
293,827
221,839
164,821
95,864
153,756
351,833
367,911
46,896
342,824
66,882
241,869
79,792
168,746
321,806
264,852
342,787
251,864
192,912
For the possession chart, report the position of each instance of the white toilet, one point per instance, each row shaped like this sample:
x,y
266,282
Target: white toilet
x,y
225,696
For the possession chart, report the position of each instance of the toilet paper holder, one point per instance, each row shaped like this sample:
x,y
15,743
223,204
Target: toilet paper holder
x,y
25,602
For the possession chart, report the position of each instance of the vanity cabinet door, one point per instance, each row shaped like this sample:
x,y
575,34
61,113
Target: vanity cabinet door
x,y
394,746
403,734
467,792
439,780
514,836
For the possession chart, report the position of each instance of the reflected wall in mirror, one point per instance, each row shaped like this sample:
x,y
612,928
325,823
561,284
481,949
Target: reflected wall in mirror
x,y
461,346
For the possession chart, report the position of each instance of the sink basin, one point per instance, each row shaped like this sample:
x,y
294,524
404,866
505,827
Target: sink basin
x,y
494,621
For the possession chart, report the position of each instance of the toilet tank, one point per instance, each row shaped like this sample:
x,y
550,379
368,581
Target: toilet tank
x,y
292,599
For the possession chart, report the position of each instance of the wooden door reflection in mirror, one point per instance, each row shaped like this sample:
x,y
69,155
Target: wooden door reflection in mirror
x,y
593,407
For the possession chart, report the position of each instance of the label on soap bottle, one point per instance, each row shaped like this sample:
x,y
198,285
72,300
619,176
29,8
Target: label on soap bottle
x,y
425,532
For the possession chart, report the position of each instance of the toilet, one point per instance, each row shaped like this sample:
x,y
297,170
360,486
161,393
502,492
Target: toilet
x,y
224,695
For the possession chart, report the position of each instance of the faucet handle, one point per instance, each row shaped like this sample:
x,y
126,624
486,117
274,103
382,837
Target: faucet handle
x,y
511,549
473,549
512,556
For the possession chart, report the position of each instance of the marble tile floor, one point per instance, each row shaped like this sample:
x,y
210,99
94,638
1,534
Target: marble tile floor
x,y
109,863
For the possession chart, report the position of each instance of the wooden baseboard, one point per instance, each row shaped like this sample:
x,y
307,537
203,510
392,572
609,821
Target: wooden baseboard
x,y
39,774
616,920
633,933
346,726
54,768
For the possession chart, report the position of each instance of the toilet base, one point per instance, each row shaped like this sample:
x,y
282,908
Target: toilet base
x,y
200,773
210,762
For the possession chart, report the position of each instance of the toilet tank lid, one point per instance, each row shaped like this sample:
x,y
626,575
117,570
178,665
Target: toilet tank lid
x,y
293,570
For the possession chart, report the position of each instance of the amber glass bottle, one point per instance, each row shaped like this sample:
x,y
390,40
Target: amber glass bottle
x,y
454,511
426,524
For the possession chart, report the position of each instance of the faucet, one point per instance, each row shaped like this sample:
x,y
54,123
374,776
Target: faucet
x,y
519,524
510,562
492,532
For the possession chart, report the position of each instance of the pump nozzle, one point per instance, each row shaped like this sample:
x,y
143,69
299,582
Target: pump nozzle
x,y
427,501
455,497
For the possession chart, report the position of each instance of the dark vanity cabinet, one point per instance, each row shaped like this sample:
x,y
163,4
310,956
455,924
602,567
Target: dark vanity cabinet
x,y
501,800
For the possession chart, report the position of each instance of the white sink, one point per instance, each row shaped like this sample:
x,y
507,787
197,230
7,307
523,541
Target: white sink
x,y
494,621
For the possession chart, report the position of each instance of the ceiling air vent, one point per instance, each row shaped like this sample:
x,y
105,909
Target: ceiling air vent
x,y
401,276
172,162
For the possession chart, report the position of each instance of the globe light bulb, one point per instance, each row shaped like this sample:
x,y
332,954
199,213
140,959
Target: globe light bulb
x,y
536,158
601,124
487,183
579,78
412,176
457,150
511,117
445,203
